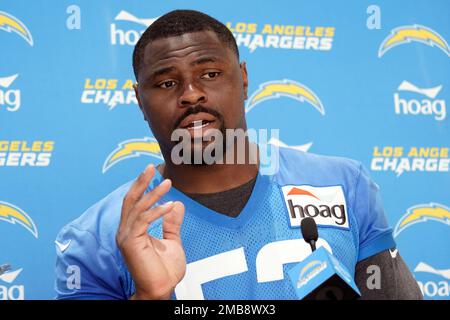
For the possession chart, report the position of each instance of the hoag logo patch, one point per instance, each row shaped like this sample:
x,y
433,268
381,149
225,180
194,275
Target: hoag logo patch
x,y
325,204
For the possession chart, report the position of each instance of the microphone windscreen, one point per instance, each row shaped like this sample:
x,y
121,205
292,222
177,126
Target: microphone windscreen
x,y
309,229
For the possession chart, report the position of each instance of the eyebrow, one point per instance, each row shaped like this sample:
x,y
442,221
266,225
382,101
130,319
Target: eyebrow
x,y
165,70
162,71
204,60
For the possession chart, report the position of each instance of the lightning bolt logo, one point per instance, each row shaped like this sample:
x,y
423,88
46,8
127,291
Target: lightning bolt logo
x,y
10,23
417,33
12,214
286,88
310,265
133,148
423,213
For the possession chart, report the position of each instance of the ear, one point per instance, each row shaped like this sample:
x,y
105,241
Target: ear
x,y
136,91
243,67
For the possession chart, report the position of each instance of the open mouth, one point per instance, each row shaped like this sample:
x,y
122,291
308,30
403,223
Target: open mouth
x,y
197,121
198,124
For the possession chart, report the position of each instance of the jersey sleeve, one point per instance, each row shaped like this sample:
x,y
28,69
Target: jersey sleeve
x,y
84,269
396,280
375,235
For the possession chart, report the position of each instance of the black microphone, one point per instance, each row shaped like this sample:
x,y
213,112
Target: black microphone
x,y
320,276
309,232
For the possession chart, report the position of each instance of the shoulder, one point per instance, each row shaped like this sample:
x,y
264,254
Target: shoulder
x,y
295,165
87,246
100,221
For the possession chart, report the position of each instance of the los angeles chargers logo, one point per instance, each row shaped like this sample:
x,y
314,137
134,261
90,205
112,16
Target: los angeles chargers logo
x,y
12,214
417,33
286,88
309,271
423,213
133,148
10,23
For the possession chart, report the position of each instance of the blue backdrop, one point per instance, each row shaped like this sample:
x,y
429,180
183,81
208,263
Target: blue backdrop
x,y
367,80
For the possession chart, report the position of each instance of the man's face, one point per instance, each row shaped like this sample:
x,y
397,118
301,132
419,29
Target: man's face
x,y
192,81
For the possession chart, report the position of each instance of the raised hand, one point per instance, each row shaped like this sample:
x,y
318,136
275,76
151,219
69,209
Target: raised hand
x,y
155,265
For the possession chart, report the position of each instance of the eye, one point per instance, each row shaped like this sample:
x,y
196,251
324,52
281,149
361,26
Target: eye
x,y
167,84
211,75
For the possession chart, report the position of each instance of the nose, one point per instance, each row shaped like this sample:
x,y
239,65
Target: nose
x,y
191,96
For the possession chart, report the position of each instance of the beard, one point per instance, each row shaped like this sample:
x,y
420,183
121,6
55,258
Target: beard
x,y
196,147
209,152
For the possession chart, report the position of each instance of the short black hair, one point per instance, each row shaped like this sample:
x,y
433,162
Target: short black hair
x,y
177,23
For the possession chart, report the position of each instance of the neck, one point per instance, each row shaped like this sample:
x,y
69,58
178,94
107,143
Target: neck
x,y
211,178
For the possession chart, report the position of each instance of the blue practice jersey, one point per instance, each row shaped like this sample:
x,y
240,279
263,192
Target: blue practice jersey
x,y
246,257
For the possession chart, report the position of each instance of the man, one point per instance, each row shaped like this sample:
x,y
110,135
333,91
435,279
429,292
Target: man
x,y
219,231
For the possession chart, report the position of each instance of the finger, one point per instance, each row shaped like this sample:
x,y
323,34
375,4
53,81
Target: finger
x,y
136,191
153,196
148,200
172,222
142,223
